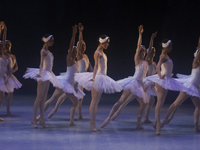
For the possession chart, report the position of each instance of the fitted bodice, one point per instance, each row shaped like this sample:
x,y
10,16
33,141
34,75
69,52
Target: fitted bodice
x,y
151,70
3,66
140,71
102,67
83,64
69,75
167,67
48,62
195,77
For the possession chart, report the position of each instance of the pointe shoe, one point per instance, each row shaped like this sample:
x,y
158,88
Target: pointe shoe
x,y
34,124
139,127
104,124
93,127
38,118
51,113
147,121
1,119
158,129
42,123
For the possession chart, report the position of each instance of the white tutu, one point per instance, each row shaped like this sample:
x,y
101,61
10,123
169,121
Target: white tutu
x,y
191,88
69,88
167,83
132,84
46,76
102,83
151,91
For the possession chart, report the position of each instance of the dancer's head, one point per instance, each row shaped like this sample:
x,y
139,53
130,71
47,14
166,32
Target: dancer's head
x,y
152,52
8,47
167,45
48,39
142,52
104,41
83,48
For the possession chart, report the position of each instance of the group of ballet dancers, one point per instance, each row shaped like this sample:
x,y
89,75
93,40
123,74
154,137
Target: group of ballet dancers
x,y
149,80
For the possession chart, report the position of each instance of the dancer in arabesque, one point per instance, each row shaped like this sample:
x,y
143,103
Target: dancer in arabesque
x,y
133,86
98,82
192,84
43,76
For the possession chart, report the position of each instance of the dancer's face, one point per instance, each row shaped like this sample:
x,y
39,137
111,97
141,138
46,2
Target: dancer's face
x,y
105,44
7,47
51,41
169,47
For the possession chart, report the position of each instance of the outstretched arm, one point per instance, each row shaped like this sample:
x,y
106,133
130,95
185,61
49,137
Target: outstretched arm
x,y
141,30
80,27
151,45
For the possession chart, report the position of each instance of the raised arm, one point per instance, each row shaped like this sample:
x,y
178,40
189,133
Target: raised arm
x,y
3,31
72,39
141,30
79,54
150,46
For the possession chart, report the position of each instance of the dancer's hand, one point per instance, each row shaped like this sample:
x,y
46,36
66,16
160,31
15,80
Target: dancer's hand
x,y
154,34
140,28
91,80
80,27
74,29
162,77
38,76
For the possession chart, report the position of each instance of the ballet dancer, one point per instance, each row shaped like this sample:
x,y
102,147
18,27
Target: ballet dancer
x,y
43,76
98,82
191,83
14,68
5,72
164,81
133,86
151,92
3,32
83,63
70,89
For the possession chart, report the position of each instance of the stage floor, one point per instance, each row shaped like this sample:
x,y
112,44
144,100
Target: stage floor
x,y
16,132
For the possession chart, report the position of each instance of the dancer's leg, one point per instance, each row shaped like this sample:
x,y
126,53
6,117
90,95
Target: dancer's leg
x,y
161,95
1,101
73,108
116,106
79,109
196,102
147,110
8,103
58,103
42,105
173,107
96,96
40,91
140,111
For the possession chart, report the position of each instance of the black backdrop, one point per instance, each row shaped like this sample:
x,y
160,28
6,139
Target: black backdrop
x,y
27,21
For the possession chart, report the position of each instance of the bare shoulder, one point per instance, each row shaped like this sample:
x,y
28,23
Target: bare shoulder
x,y
85,56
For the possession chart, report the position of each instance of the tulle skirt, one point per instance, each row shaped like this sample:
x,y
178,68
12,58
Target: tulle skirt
x,y
102,83
151,91
46,76
191,88
69,88
167,83
135,86
12,83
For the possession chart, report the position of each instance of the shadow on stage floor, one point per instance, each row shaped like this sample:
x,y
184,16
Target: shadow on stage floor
x,y
17,133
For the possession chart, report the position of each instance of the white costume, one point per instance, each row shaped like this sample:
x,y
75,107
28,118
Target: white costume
x,y
67,79
102,83
47,73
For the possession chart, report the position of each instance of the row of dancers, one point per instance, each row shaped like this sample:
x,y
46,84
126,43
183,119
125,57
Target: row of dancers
x,y
143,85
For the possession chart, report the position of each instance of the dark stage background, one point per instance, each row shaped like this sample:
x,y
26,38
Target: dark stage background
x,y
27,21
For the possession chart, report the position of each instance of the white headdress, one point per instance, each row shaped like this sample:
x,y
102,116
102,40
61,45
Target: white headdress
x,y
195,54
46,39
164,45
103,40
